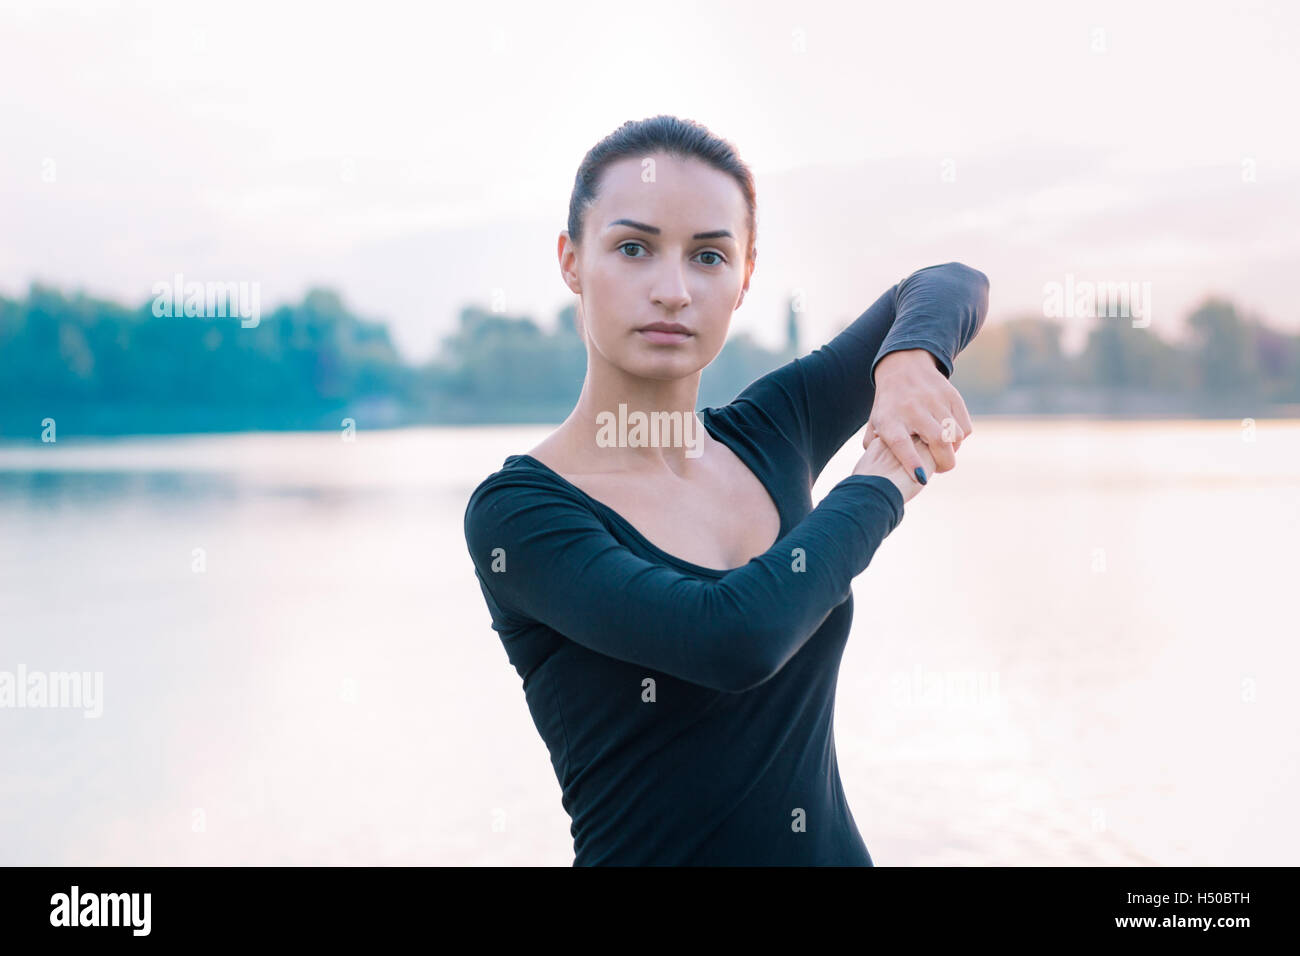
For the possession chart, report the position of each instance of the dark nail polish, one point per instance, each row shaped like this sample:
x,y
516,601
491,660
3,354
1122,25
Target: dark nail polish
x,y
920,475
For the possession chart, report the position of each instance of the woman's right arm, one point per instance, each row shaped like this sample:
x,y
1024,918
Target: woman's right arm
x,y
541,553
820,400
880,459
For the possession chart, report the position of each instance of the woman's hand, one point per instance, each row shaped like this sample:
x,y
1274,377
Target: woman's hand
x,y
881,460
915,398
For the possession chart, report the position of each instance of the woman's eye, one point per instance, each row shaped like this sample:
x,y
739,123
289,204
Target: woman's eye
x,y
636,245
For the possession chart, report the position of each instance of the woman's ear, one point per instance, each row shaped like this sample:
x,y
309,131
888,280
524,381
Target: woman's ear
x,y
568,256
749,271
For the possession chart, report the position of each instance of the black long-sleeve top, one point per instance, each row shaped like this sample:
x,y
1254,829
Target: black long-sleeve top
x,y
688,710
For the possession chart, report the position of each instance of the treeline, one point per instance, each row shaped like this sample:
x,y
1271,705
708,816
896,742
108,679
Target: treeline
x,y
1226,366
97,367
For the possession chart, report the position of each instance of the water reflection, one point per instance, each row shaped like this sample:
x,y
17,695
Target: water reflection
x,y
298,666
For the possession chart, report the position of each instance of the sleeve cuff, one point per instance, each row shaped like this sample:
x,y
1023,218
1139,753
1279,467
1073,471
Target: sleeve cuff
x,y
940,354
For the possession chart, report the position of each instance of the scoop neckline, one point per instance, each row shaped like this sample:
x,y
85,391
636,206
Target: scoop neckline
x,y
706,415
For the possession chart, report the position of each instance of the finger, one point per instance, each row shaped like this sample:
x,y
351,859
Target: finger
x,y
899,440
933,432
959,412
869,434
926,453
950,429
927,456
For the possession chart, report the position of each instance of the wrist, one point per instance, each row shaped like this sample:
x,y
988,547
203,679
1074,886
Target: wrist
x,y
904,358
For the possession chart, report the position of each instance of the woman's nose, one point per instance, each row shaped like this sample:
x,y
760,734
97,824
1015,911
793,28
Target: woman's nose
x,y
670,289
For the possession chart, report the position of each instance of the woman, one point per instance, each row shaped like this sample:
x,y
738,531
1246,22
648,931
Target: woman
x,y
677,610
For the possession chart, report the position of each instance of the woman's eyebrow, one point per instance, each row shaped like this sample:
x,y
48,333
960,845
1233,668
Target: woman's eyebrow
x,y
655,230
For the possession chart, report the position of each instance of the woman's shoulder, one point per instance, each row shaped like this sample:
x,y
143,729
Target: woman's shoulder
x,y
524,509
522,482
517,471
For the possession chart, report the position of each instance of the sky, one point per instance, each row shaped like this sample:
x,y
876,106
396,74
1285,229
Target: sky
x,y
419,158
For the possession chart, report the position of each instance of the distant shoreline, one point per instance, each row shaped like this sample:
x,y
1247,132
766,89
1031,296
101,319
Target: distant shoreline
x,y
11,438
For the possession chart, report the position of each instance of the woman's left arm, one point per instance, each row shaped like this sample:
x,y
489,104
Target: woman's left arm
x,y
912,394
940,309
905,343
889,368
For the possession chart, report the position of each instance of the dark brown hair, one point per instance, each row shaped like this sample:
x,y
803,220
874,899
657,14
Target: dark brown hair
x,y
665,134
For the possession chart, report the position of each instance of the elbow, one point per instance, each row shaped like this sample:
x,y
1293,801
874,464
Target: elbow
x,y
977,284
749,661
972,276
746,677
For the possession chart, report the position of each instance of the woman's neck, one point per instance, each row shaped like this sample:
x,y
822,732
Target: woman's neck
x,y
631,424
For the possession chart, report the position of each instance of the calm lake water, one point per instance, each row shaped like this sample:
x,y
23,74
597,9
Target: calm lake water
x,y
1076,648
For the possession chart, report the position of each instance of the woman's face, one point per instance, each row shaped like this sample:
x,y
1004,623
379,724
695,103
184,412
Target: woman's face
x,y
664,241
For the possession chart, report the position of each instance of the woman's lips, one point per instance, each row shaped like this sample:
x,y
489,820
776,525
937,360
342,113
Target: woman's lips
x,y
660,337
